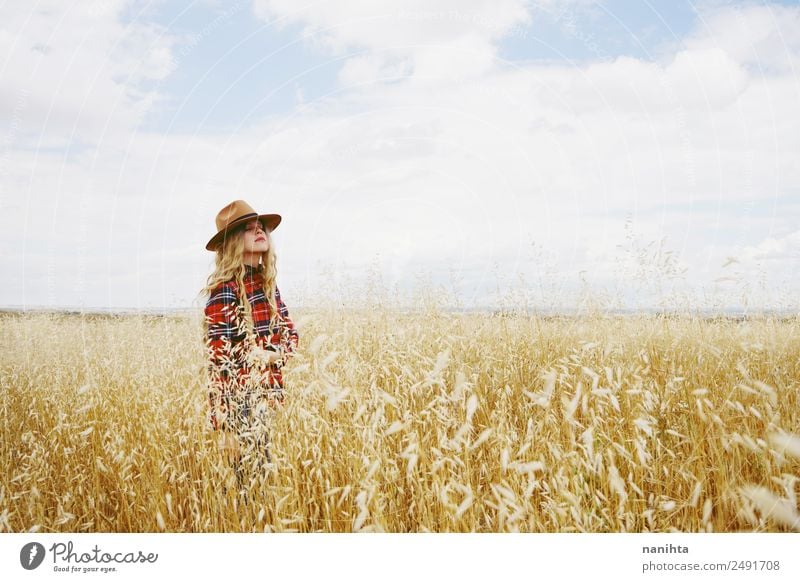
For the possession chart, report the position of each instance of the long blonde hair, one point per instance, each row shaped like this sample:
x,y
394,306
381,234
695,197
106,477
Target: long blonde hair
x,y
230,266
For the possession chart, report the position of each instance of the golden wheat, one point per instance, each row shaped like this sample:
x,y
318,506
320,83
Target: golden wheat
x,y
401,422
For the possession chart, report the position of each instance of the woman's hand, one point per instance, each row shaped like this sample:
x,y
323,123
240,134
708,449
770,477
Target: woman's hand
x,y
228,444
269,356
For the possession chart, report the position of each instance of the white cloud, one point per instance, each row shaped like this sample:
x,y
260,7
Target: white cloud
x,y
75,72
763,37
446,40
775,248
371,68
343,24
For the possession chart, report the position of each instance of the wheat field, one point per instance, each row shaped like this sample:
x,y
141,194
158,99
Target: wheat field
x,y
409,422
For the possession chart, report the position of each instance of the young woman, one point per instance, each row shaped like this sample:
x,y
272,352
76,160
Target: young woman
x,y
248,332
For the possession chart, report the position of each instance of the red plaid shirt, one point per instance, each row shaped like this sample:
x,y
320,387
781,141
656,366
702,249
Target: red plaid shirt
x,y
231,369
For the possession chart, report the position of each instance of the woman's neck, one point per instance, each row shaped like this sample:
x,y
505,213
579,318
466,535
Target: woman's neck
x,y
251,260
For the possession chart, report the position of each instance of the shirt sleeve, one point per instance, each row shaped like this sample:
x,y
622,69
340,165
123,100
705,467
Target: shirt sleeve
x,y
292,337
222,341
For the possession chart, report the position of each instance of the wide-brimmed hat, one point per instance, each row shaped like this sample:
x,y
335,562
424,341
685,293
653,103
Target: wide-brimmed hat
x,y
235,214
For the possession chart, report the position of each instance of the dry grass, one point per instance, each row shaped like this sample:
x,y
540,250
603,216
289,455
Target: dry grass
x,y
415,422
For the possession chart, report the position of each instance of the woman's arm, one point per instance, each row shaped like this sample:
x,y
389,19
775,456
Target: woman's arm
x,y
292,336
222,348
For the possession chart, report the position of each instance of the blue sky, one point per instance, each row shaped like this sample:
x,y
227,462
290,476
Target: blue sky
x,y
603,31
547,140
242,68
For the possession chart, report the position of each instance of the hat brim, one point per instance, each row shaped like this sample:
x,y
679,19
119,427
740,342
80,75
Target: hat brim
x,y
270,220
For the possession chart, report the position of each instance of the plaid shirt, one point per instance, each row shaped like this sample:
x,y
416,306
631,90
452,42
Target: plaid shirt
x,y
232,369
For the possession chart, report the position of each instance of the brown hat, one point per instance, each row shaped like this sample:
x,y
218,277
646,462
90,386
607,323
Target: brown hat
x,y
237,213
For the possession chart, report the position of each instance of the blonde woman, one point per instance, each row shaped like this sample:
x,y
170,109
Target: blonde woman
x,y
248,332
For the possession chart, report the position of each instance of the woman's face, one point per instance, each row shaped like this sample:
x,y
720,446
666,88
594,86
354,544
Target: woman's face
x,y
256,237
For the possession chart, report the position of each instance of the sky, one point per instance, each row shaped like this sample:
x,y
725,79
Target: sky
x,y
504,152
